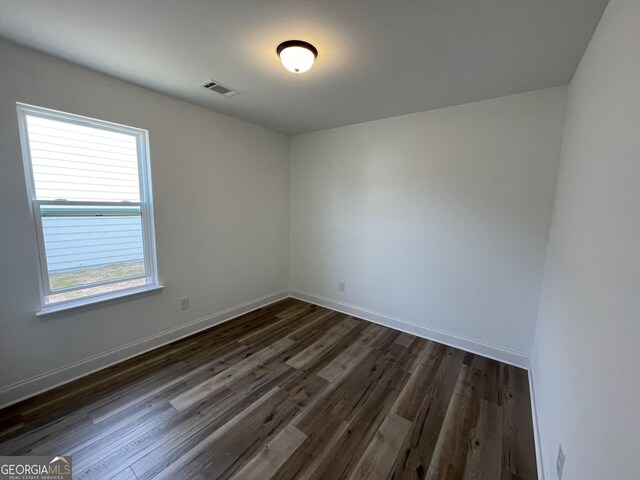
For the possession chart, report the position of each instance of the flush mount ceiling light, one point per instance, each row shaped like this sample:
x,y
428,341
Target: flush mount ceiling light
x,y
297,56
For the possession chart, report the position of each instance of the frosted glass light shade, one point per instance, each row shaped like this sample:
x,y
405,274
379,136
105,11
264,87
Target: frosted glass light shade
x,y
297,56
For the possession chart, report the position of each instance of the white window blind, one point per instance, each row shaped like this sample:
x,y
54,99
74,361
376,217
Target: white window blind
x,y
77,162
89,183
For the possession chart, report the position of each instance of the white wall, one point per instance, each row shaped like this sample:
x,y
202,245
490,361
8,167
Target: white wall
x,y
586,352
439,218
221,212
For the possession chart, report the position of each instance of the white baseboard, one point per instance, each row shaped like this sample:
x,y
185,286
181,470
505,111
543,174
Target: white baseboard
x,y
32,386
474,346
536,427
35,385
481,348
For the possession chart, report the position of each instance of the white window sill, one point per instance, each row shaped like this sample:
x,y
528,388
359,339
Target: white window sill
x,y
95,302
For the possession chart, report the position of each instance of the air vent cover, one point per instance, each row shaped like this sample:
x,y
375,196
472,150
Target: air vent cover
x,y
218,87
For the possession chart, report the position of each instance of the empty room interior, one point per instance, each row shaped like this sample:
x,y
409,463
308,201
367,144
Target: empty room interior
x,y
304,239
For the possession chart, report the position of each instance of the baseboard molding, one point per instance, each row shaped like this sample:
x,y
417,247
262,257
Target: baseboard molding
x,y
485,349
481,348
41,383
35,385
536,427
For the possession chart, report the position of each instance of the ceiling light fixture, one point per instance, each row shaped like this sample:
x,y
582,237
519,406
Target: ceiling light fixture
x,y
297,56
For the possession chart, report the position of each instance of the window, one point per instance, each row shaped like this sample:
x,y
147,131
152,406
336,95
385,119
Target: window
x,y
90,189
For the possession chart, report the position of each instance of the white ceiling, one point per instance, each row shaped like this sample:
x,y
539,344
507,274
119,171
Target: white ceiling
x,y
377,58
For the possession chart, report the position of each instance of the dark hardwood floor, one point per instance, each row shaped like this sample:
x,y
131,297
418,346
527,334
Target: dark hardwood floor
x,y
289,391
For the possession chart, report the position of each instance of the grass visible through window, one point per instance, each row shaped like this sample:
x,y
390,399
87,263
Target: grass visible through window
x,y
85,276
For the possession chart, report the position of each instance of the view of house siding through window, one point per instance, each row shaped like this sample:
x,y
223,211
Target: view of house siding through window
x,y
91,245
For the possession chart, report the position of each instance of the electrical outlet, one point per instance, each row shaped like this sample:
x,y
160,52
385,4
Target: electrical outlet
x,y
560,462
341,286
184,303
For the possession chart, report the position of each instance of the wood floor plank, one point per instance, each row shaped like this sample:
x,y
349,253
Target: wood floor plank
x,y
135,419
273,455
190,427
247,438
164,444
363,424
314,450
29,438
405,339
341,363
162,382
450,453
316,323
419,386
174,470
485,448
517,439
429,418
285,324
379,457
318,348
344,399
288,391
126,474
226,376
416,353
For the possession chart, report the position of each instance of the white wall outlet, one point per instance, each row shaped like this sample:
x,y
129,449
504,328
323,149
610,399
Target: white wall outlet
x,y
341,286
560,462
184,303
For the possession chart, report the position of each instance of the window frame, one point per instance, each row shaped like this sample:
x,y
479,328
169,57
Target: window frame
x,y
145,203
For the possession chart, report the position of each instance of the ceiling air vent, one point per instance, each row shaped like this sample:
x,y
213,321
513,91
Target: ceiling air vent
x,y
219,88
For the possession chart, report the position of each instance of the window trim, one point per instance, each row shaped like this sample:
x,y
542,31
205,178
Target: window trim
x,y
145,203
57,309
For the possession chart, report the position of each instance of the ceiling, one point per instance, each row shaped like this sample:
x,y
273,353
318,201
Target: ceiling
x,y
377,58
